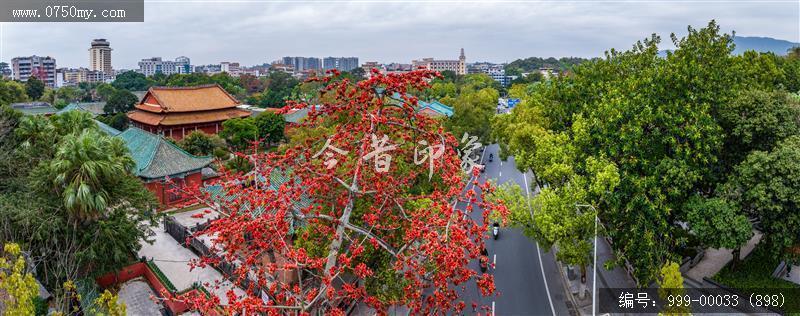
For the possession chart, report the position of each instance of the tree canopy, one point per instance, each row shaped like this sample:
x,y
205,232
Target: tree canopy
x,y
34,87
673,126
68,199
120,101
377,226
131,81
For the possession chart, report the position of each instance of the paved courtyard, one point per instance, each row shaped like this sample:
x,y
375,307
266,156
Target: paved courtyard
x,y
173,259
136,295
186,219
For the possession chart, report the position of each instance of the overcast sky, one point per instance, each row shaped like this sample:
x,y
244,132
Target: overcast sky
x,y
258,31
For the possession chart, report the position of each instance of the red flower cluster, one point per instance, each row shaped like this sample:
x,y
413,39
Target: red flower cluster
x,y
314,239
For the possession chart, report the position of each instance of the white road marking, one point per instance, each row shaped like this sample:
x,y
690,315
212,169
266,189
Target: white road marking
x,y
492,308
501,174
494,261
538,252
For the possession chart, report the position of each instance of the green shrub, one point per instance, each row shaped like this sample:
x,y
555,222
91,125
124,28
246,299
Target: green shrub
x,y
754,275
161,277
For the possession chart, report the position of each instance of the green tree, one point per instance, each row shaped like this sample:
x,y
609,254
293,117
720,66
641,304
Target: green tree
x,y
765,185
670,283
131,81
718,224
530,78
239,133
105,91
12,92
120,101
34,88
83,169
119,121
757,120
472,112
72,122
654,118
270,126
200,143
278,89
69,94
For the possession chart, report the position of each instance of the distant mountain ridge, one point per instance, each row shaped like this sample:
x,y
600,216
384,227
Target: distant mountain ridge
x,y
762,44
756,43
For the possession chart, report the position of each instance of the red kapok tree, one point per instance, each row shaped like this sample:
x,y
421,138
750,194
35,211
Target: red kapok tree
x,y
357,208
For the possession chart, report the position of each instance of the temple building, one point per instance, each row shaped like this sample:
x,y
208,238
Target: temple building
x,y
434,109
164,168
177,111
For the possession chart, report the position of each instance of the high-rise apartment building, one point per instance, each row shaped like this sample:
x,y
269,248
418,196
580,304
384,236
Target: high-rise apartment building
x,y
154,65
43,68
458,66
100,56
302,64
340,63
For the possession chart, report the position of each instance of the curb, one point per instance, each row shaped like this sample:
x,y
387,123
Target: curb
x,y
573,306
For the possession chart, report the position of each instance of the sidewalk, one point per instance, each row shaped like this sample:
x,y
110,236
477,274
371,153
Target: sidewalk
x,y
173,260
716,259
614,278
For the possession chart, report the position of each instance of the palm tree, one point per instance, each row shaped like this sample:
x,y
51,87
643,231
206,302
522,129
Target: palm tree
x,y
72,122
37,135
85,165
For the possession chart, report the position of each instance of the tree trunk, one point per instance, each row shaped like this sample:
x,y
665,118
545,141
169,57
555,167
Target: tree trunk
x,y
582,290
735,261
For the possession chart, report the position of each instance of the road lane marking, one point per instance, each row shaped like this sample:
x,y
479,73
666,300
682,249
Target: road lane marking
x,y
494,261
538,252
492,308
501,174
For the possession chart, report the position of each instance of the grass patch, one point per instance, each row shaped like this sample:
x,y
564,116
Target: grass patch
x,y
754,275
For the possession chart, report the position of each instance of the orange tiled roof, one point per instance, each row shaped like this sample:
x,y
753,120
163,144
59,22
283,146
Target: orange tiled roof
x,y
186,99
186,118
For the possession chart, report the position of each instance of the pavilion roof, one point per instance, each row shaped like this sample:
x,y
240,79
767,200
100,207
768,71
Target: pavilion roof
x,y
156,157
172,119
186,99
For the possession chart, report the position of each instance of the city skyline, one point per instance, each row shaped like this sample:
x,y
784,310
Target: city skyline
x,y
492,31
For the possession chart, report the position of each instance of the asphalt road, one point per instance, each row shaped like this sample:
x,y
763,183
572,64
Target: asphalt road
x,y
526,277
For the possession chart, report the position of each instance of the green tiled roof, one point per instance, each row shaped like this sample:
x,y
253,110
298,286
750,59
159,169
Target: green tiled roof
x,y
296,116
107,129
157,158
437,107
95,108
277,179
34,108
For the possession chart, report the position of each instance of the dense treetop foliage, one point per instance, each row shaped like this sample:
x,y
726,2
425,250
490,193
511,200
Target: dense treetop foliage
x,y
532,64
675,129
68,198
366,213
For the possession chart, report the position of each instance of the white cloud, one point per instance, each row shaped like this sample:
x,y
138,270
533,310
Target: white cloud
x,y
254,32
